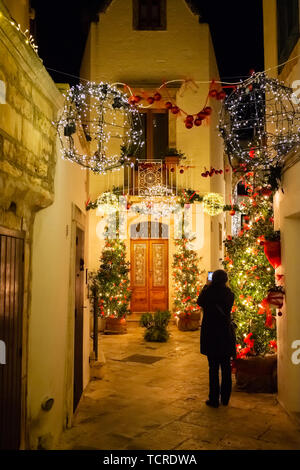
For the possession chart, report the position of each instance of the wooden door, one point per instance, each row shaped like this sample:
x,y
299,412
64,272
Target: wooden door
x,y
149,275
11,306
78,330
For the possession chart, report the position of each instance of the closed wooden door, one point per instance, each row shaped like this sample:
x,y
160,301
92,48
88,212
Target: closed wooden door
x,y
11,306
78,332
149,275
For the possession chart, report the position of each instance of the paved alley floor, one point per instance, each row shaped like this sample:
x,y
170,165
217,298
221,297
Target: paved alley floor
x,y
161,405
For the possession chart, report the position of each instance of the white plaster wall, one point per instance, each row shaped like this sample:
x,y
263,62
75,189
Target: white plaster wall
x,y
51,323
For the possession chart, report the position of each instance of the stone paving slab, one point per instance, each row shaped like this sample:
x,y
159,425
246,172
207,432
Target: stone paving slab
x,y
161,406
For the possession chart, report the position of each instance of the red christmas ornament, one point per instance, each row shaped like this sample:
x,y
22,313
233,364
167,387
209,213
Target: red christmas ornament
x,y
132,99
198,122
150,99
168,105
272,251
221,95
181,171
201,115
172,169
189,118
246,218
207,110
266,192
189,124
279,314
175,110
232,212
213,93
157,96
203,174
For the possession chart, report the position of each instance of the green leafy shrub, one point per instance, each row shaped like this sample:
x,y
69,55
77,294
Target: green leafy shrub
x,y
156,326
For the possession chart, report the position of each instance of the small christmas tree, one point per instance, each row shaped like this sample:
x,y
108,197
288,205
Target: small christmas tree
x,y
113,278
250,274
186,276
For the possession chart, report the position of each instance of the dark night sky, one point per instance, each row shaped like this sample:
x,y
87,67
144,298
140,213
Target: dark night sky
x,y
236,28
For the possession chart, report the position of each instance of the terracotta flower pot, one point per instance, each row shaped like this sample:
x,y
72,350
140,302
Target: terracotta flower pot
x,y
272,251
115,326
257,374
189,323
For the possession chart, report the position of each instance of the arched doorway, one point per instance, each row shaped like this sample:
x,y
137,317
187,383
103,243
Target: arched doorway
x,y
149,266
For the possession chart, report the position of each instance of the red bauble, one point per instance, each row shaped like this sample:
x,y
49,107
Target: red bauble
x,y
132,99
217,172
232,212
150,99
221,172
189,118
172,169
203,174
266,192
189,124
168,105
246,218
272,251
279,314
157,96
181,171
207,110
175,110
221,95
138,98
201,115
198,122
213,93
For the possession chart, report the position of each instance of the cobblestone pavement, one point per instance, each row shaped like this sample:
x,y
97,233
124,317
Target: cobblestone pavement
x,y
161,406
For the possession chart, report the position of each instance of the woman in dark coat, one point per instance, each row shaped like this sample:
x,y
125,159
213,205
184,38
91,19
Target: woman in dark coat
x,y
217,342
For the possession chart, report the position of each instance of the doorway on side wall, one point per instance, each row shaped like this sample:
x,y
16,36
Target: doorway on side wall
x,y
11,313
78,327
149,273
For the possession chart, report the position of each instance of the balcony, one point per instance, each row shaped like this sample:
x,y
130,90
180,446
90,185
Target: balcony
x,y
146,177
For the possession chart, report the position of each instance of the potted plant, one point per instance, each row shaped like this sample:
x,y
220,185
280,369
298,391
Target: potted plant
x,y
272,248
156,326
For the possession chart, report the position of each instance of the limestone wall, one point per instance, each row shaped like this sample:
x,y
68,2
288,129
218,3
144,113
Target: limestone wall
x,y
32,178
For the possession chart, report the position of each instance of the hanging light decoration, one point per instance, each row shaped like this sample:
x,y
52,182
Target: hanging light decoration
x,y
213,203
98,119
260,123
107,203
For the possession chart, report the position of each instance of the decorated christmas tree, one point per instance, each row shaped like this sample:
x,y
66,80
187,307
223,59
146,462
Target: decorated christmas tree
x,y
113,278
186,275
251,276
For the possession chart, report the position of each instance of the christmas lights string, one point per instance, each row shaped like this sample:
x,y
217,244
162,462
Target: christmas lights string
x,y
29,39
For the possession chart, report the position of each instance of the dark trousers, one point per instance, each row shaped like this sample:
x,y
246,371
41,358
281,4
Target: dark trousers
x,y
214,382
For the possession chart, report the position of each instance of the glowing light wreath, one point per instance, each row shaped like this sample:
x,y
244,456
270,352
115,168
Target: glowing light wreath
x,y
260,123
98,119
213,203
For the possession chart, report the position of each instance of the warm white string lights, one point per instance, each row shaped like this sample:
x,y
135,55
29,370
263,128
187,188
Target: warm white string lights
x,y
110,125
260,123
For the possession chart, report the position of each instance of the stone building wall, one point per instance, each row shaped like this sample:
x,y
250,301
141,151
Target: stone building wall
x,y
32,178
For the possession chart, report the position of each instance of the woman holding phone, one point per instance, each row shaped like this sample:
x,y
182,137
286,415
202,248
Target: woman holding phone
x,y
217,339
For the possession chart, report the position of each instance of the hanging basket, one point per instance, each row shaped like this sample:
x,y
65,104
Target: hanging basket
x,y
272,251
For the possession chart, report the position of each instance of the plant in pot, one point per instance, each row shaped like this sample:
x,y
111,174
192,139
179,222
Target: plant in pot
x,y
114,284
156,326
250,278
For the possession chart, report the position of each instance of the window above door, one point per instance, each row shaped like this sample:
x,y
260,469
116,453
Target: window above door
x,y
149,15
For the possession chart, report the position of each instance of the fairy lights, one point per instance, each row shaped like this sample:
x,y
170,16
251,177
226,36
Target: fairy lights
x,y
213,203
109,126
260,123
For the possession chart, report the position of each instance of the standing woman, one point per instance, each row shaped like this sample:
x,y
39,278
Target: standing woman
x,y
217,342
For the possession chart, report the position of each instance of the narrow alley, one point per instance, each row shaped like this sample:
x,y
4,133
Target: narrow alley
x,y
161,405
